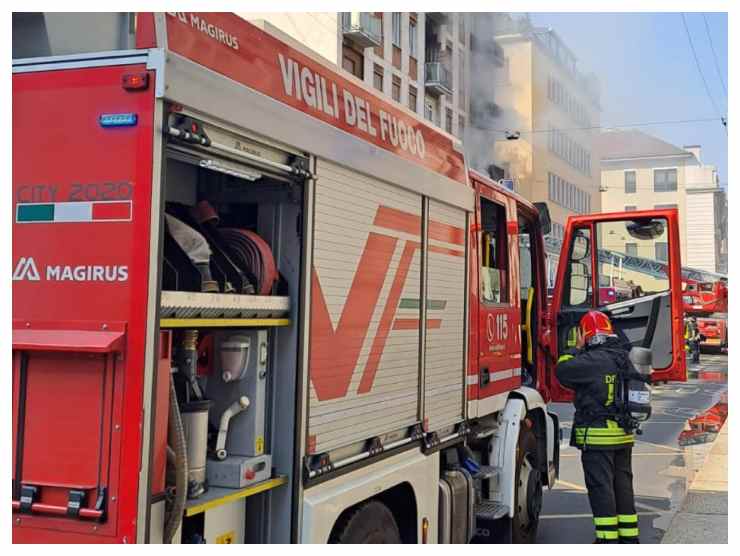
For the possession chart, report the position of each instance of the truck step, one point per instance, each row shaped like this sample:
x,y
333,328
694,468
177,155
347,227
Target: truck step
x,y
480,433
488,509
487,472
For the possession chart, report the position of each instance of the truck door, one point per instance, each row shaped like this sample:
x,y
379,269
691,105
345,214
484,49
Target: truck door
x,y
640,251
499,345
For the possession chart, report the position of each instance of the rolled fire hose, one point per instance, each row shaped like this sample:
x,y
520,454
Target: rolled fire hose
x,y
191,241
196,248
253,253
176,439
223,430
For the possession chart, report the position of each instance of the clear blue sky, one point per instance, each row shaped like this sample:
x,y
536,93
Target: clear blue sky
x,y
648,73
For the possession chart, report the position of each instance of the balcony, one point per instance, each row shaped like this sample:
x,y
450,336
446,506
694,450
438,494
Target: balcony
x,y
437,79
362,28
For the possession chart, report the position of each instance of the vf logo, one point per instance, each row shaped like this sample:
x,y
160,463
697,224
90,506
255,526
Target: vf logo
x,y
26,270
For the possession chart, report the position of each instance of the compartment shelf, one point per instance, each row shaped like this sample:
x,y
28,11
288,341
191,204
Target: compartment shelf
x,y
208,306
217,496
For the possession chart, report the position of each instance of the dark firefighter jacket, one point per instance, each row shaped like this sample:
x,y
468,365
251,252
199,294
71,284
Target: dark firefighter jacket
x,y
592,374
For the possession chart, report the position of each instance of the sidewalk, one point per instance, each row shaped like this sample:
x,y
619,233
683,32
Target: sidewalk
x,y
703,517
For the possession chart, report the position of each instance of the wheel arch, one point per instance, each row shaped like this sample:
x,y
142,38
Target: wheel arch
x,y
546,429
400,500
407,483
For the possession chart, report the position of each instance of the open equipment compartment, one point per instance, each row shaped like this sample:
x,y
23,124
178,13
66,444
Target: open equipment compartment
x,y
230,281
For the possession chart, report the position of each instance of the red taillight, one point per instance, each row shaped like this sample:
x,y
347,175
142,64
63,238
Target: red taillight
x,y
135,81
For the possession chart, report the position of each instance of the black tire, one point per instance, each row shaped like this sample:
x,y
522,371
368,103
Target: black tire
x,y
369,523
526,518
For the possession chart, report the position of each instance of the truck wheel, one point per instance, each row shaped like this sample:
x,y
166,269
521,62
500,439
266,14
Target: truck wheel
x,y
527,488
369,523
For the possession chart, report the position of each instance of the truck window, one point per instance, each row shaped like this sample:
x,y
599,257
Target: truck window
x,y
527,298
526,278
494,253
578,274
630,278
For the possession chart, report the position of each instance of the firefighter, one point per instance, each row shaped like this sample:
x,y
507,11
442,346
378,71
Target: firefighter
x,y
692,337
590,369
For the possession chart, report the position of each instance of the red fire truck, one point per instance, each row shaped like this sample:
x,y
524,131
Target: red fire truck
x,y
707,301
255,302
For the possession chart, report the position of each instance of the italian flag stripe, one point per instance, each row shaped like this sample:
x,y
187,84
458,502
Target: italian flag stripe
x,y
89,211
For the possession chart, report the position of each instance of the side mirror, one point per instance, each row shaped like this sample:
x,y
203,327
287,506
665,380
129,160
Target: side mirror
x,y
545,222
581,247
646,229
580,283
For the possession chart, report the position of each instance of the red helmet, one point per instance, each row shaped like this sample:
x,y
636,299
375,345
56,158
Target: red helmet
x,y
595,323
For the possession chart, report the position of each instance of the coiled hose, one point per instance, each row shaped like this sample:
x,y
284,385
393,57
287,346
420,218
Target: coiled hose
x,y
176,439
252,253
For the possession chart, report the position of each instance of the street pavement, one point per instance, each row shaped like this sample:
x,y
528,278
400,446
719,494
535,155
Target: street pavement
x,y
662,469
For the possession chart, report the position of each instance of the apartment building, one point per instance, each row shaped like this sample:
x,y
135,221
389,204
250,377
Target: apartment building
x,y
543,128
418,60
639,171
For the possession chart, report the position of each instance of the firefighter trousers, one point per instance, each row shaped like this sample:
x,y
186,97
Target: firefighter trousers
x,y
608,475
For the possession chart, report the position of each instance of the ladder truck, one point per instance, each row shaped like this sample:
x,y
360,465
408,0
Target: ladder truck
x,y
255,302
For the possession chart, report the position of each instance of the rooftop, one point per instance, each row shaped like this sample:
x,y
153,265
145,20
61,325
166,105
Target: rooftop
x,y
630,143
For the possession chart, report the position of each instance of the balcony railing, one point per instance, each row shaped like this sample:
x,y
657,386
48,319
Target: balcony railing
x,y
437,78
362,28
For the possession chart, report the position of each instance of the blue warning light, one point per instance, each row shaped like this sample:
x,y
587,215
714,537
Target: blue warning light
x,y
118,120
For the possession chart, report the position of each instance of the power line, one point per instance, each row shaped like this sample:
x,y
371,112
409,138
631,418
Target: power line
x,y
611,126
698,67
714,53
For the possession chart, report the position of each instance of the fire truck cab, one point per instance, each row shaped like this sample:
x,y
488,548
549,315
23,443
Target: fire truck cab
x,y
255,302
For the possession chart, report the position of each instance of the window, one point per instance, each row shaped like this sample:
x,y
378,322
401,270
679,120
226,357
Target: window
x,y
412,98
561,192
666,206
461,84
352,62
412,38
378,77
629,208
630,281
661,251
665,180
396,29
396,89
494,253
630,181
578,274
460,127
448,120
429,111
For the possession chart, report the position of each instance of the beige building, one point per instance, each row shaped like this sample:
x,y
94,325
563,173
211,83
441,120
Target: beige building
x,y
418,60
639,172
541,94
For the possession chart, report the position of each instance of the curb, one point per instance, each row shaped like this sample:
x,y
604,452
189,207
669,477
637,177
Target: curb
x,y
702,518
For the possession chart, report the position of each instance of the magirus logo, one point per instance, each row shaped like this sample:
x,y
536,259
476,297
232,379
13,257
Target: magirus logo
x,y
26,269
